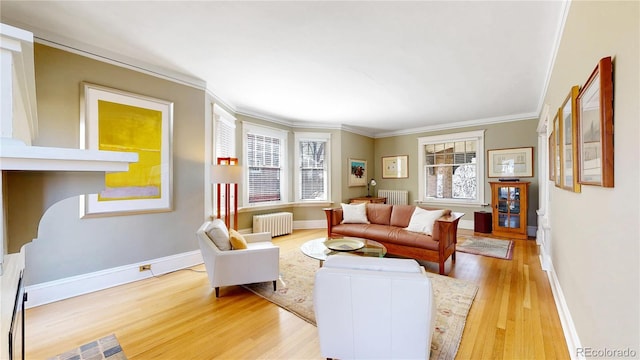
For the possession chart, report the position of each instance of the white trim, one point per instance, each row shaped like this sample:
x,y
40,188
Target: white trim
x,y
478,136
568,327
44,293
309,224
252,128
459,124
297,183
566,5
109,57
466,224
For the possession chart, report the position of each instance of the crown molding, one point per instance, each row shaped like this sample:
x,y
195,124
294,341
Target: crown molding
x,y
460,124
566,5
93,52
304,124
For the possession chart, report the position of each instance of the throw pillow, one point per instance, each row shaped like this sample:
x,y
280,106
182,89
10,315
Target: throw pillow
x,y
354,213
422,220
238,242
217,232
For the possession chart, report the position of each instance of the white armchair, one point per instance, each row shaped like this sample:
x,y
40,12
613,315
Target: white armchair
x,y
373,308
259,262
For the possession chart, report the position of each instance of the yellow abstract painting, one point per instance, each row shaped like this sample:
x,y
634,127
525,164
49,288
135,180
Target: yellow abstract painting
x,y
132,129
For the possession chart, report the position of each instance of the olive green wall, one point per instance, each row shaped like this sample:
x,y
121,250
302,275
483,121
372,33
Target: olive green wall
x,y
67,245
496,136
595,242
359,147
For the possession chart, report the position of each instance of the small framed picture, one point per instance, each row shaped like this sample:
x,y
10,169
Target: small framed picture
x,y
395,167
515,162
357,172
595,127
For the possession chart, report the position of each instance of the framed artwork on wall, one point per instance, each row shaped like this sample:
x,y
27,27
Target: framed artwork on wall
x,y
569,120
395,167
552,156
357,172
514,162
595,127
557,161
120,121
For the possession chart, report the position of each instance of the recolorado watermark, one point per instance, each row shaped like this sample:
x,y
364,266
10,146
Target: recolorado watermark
x,y
589,352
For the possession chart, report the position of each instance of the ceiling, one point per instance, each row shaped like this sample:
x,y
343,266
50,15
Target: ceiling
x,y
383,68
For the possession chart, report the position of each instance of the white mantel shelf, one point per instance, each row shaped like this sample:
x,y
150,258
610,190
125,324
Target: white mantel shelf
x,y
39,158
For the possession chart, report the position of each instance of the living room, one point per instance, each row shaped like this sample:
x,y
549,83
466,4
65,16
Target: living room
x,y
596,287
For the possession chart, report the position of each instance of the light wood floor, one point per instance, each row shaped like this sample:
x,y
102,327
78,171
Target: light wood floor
x,y
176,316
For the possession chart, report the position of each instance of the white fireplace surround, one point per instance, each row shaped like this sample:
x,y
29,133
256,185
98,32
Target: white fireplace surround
x,y
18,128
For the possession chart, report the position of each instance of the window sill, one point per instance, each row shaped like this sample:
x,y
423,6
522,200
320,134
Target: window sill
x,y
246,209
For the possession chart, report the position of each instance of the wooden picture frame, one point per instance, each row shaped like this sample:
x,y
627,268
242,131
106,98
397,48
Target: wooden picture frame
x,y
595,127
557,161
569,139
552,156
510,163
357,170
395,167
112,119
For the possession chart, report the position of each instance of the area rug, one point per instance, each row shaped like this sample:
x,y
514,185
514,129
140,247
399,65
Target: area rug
x,y
107,348
501,249
453,298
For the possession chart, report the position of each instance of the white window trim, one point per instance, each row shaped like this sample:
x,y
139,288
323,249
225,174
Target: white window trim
x,y
223,116
247,128
477,135
301,136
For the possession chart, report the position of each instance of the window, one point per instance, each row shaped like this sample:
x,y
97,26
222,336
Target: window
x,y
225,133
224,146
265,161
452,168
312,162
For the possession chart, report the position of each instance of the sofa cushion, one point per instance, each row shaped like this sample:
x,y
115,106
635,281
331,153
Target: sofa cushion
x,y
217,232
354,213
401,214
379,213
238,241
422,220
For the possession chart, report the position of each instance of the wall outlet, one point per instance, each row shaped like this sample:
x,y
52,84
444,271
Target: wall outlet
x,y
146,267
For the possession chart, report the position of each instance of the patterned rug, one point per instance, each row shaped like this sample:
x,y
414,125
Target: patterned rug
x,y
106,348
453,299
501,249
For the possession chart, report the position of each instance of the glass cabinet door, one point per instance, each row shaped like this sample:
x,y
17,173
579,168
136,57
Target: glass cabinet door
x,y
509,206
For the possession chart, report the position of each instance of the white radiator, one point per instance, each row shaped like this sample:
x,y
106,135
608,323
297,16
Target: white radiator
x,y
276,223
395,197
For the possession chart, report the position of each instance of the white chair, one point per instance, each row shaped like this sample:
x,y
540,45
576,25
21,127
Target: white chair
x,y
259,262
373,308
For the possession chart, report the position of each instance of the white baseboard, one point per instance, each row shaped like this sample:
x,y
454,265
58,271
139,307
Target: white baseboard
x,y
466,224
309,224
568,327
469,225
44,293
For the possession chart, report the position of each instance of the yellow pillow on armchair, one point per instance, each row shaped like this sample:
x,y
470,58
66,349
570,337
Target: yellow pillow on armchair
x,y
238,241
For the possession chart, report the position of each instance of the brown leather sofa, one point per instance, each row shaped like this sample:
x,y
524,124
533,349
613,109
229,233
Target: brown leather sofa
x,y
387,223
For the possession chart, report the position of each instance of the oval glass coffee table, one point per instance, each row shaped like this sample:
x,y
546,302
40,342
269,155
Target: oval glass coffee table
x,y
317,249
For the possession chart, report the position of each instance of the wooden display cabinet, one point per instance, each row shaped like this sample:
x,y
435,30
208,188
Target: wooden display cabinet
x,y
510,202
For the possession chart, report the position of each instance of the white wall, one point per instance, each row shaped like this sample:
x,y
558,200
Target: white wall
x,y
595,233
